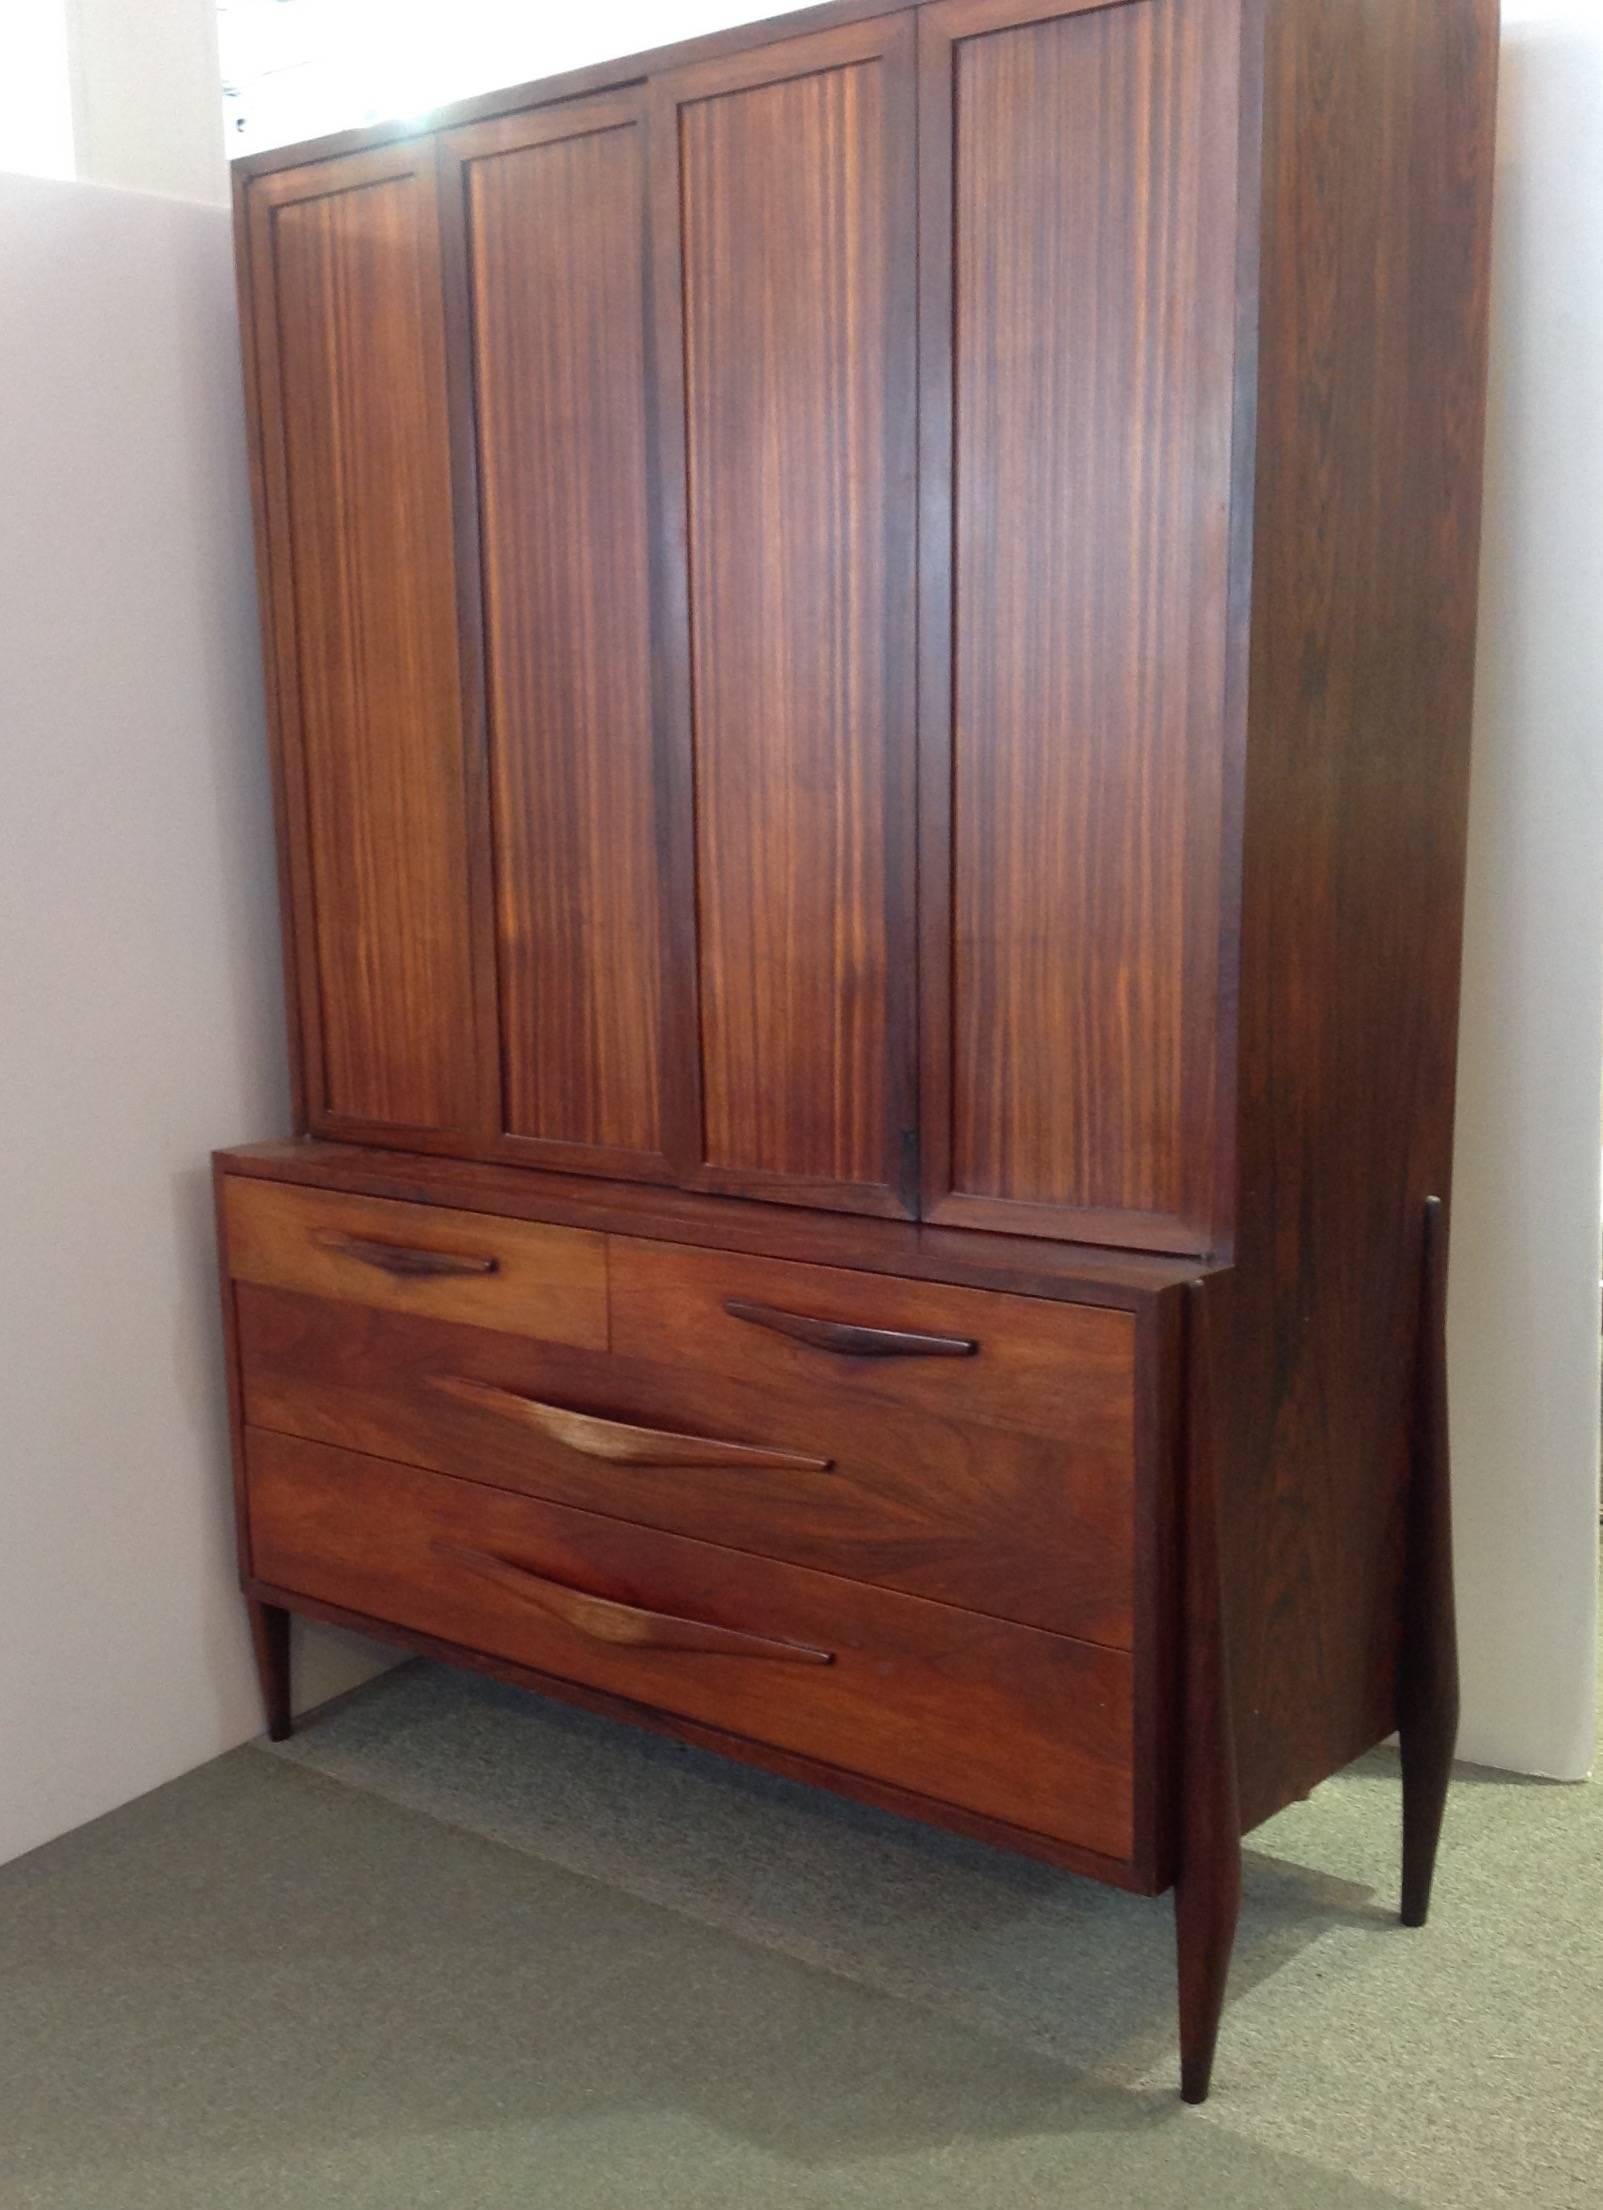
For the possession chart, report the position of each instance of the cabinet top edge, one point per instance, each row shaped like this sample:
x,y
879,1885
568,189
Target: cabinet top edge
x,y
611,75
1025,1266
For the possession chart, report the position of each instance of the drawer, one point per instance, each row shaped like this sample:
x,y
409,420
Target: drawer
x,y
461,1266
1030,1728
1029,1527
1061,1370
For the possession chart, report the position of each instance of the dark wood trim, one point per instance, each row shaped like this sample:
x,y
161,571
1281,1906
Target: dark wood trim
x,y
1113,1872
1427,1677
1207,1894
673,708
878,1200
1160,1375
935,491
1077,1273
261,338
270,1642
462,429
899,50
1131,1231
974,18
572,84
256,453
611,1160
848,1341
1223,1196
232,1376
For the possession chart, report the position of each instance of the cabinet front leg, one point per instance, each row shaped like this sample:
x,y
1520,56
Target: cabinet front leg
x,y
269,1633
1427,1685
1207,1893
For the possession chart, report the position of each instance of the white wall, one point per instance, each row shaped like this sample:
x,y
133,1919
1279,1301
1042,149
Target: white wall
x,y
1524,1292
147,96
139,997
35,89
297,68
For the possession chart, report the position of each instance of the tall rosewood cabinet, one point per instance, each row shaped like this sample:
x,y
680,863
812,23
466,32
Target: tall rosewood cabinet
x,y
869,627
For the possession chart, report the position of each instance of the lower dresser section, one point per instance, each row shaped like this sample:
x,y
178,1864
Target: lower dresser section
x,y
1008,1721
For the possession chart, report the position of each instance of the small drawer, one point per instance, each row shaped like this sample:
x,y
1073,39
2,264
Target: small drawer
x,y
1065,1371
1031,1528
466,1266
1026,1727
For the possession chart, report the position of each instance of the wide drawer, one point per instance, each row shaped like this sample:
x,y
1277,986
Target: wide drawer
x,y
1029,1728
1034,1528
1062,1370
471,1267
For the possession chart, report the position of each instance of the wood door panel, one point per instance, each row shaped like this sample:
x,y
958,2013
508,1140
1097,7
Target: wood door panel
x,y
1028,1727
1036,1528
554,211
794,307
1081,247
351,363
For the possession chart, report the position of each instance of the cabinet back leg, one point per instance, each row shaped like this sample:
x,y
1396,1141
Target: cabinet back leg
x,y
1427,1684
1207,1892
269,1633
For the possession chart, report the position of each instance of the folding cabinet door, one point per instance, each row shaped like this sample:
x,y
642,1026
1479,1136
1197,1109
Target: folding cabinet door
x,y
588,807
784,187
348,358
1079,179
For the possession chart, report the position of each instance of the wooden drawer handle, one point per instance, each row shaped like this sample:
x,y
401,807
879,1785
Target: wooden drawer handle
x,y
602,1619
848,1341
403,1258
614,1440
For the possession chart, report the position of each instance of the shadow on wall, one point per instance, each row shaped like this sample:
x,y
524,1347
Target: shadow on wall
x,y
1524,1303
140,1007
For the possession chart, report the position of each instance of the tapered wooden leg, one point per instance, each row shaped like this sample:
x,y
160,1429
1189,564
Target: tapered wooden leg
x,y
1207,1893
269,1632
1427,1686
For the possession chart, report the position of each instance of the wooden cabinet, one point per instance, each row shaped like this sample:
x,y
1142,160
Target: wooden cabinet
x,y
870,626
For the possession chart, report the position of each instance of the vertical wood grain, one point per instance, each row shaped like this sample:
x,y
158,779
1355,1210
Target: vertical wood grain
x,y
555,220
270,587
350,350
1207,1888
795,192
1377,180
1079,209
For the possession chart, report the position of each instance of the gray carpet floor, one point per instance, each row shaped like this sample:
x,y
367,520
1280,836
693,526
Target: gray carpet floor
x,y
452,1949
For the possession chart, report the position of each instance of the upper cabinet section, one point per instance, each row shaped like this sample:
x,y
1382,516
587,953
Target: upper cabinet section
x,y
350,369
756,592
1078,272
788,360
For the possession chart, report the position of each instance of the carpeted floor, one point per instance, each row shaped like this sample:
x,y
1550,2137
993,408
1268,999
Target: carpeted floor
x,y
452,1949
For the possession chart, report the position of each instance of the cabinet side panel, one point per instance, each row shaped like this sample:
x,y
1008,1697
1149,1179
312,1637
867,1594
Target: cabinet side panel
x,y
352,330
1377,154
557,260
1092,330
796,199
